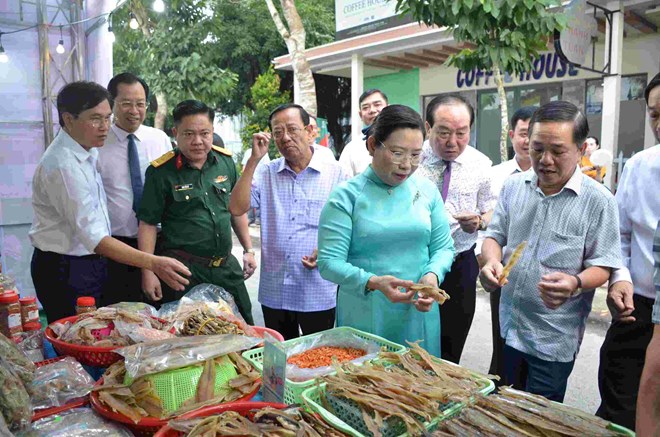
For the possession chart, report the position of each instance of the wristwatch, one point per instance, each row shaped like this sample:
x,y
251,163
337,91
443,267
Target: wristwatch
x,y
249,251
482,224
578,290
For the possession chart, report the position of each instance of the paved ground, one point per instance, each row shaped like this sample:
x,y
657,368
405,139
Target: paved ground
x,y
582,386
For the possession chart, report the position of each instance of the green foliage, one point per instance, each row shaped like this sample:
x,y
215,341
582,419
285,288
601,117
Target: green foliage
x,y
507,33
211,49
176,58
265,95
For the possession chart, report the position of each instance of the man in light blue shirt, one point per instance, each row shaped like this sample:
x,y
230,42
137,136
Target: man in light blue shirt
x,y
71,227
290,191
570,224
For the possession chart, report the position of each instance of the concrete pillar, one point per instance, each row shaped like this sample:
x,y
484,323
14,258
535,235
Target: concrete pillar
x,y
612,87
357,87
99,45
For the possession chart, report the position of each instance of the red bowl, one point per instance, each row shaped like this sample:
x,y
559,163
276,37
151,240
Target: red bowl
x,y
88,355
147,426
242,408
74,403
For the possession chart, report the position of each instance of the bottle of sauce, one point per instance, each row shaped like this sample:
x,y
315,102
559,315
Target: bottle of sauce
x,y
29,310
10,315
85,304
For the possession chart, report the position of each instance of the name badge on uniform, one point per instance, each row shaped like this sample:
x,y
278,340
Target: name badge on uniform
x,y
184,187
220,179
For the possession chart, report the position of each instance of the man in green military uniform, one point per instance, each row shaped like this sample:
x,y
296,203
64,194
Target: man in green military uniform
x,y
187,191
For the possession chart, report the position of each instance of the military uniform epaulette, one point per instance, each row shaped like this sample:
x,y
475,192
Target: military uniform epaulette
x,y
222,150
163,159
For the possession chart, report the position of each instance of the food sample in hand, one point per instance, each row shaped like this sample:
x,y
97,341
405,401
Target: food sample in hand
x,y
439,295
323,356
515,256
465,215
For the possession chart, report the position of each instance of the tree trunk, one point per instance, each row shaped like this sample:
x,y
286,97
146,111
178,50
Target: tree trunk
x,y
294,37
499,80
161,112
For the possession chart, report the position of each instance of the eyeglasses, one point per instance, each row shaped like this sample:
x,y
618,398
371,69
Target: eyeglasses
x,y
401,157
293,132
97,122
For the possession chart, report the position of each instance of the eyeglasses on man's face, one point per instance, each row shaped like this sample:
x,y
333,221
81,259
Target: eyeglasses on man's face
x,y
97,122
293,131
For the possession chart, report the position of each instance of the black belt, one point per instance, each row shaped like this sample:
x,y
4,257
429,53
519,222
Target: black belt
x,y
216,261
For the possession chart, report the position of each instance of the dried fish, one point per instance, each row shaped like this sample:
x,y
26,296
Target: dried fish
x,y
438,294
203,321
516,413
513,260
293,421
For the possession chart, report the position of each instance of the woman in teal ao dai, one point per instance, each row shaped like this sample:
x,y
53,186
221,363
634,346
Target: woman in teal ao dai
x,y
385,230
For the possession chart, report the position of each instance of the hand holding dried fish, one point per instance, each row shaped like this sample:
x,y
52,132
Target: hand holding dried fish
x,y
513,260
516,413
269,421
439,295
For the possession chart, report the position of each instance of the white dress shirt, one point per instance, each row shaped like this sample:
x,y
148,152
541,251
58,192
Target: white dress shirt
x,y
355,157
469,188
113,165
498,174
639,211
70,210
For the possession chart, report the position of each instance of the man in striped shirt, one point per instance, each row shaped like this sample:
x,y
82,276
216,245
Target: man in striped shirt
x,y
570,225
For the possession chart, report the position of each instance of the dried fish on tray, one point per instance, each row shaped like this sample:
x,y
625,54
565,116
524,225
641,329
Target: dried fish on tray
x,y
399,393
149,396
515,413
292,421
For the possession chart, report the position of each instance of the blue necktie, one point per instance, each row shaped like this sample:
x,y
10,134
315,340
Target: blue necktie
x,y
136,176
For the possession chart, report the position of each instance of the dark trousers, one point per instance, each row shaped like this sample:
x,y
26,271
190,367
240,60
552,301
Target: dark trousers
x,y
496,366
228,276
456,314
287,322
621,362
124,283
60,280
528,373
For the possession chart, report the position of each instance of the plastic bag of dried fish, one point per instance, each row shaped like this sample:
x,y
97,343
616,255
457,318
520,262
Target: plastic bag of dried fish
x,y
216,297
330,338
136,307
15,404
17,360
265,421
57,383
78,422
158,356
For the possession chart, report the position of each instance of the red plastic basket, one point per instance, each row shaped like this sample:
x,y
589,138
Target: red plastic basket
x,y
88,355
149,425
242,408
75,403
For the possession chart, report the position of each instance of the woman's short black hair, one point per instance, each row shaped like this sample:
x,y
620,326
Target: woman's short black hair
x,y
80,96
392,118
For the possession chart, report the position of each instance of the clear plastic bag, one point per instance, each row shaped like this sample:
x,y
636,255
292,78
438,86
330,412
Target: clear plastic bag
x,y
139,333
16,359
215,297
32,345
159,356
78,422
57,383
331,338
15,403
136,307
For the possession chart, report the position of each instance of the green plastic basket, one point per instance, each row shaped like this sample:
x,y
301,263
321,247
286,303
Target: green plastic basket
x,y
349,417
174,387
292,389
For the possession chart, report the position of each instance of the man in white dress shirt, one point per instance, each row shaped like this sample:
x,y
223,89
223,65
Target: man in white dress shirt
x,y
631,293
355,157
127,140
71,226
499,173
462,174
